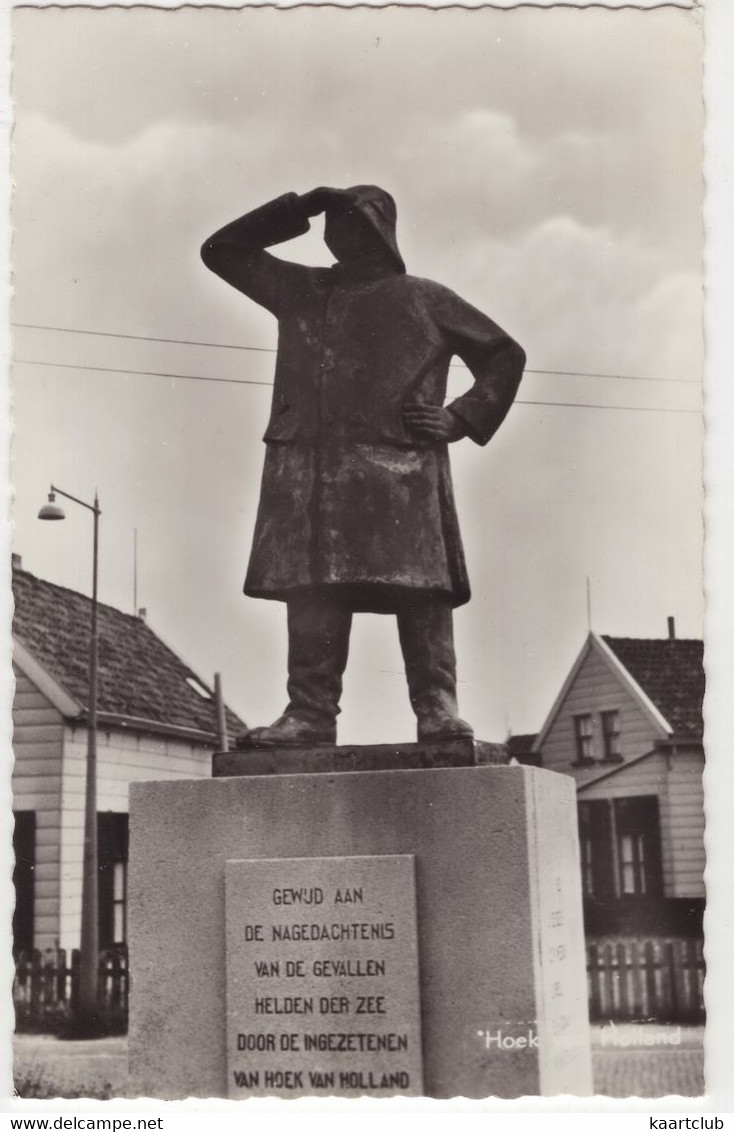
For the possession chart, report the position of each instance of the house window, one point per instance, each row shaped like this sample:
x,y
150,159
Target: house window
x,y
632,861
587,865
597,858
112,838
620,849
610,734
584,736
24,848
637,823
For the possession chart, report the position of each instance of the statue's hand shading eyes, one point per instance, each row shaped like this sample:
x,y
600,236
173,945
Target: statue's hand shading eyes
x,y
319,200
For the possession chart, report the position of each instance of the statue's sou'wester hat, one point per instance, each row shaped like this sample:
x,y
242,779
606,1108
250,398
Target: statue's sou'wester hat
x,y
379,210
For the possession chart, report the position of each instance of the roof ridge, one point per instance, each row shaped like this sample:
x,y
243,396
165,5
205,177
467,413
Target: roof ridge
x,y
141,674
77,593
177,656
132,617
654,640
670,672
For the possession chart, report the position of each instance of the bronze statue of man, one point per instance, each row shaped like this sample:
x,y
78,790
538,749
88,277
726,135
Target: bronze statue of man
x,y
356,507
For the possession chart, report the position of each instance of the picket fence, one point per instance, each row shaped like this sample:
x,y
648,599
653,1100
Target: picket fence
x,y
629,980
46,989
657,980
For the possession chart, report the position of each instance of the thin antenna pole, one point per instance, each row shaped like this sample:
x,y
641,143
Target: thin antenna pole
x,y
588,602
223,738
135,571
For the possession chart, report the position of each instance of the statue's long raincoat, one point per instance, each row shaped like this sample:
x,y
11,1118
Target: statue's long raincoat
x,y
350,498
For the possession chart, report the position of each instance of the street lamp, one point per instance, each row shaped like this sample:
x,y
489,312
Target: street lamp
x,y
88,1020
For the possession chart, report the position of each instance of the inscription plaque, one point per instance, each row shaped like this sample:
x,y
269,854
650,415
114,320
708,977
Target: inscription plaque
x,y
322,977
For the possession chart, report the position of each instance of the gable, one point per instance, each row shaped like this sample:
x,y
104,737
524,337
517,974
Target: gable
x,y
50,688
671,673
634,688
600,673
596,684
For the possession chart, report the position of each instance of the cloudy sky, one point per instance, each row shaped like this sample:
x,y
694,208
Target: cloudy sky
x,y
546,166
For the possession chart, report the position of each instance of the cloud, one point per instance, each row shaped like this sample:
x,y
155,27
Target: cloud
x,y
140,130
545,167
503,117
108,237
562,69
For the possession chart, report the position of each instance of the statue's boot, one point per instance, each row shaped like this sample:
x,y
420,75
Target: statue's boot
x,y
426,628
318,645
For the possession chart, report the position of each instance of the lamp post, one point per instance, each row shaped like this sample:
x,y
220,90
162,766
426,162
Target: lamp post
x,y
87,1020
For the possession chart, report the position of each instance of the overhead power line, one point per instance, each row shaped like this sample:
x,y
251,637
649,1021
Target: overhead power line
x,y
272,350
140,372
246,381
611,408
143,337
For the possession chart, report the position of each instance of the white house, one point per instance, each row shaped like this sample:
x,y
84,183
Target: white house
x,y
157,719
628,726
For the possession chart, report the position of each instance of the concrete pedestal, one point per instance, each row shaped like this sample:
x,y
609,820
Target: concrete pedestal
x,y
503,997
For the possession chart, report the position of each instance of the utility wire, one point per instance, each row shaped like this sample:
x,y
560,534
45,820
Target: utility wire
x,y
612,408
140,372
271,350
143,337
245,381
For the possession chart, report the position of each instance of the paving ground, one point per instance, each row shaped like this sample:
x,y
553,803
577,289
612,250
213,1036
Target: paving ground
x,y
648,1061
628,1061
45,1067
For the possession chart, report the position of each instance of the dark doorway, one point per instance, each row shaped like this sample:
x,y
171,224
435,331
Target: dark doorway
x,y
24,848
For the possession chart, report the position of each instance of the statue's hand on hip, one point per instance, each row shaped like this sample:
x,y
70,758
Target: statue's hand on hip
x,y
433,422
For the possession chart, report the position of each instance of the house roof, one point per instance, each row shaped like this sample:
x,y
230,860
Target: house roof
x,y
521,744
141,680
670,672
666,678
520,747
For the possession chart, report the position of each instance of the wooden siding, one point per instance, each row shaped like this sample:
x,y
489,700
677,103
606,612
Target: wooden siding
x,y
596,689
36,782
122,758
685,792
